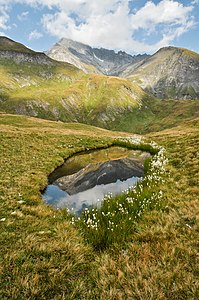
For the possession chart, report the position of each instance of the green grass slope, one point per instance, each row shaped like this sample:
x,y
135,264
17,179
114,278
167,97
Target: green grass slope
x,y
53,90
33,84
156,115
59,91
44,256
29,150
161,261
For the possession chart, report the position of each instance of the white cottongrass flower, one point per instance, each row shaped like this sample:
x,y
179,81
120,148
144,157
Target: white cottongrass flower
x,y
13,213
21,201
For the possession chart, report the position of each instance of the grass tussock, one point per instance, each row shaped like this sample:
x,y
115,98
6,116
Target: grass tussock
x,y
161,260
113,223
44,256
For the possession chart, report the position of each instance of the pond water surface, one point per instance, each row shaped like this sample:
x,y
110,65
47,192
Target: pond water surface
x,y
84,179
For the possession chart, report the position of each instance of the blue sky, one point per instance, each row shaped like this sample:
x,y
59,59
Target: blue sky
x,y
136,26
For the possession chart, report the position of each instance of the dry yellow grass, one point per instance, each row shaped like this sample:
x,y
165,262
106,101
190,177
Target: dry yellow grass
x,y
42,254
162,260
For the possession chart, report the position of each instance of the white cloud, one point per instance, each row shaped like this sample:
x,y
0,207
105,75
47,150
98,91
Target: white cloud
x,y
172,16
165,12
3,22
4,18
105,28
195,2
34,35
111,23
23,16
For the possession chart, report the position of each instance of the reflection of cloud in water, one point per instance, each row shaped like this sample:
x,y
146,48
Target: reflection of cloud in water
x,y
55,196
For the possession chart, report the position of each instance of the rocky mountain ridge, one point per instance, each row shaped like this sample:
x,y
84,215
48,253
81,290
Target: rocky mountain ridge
x,y
106,172
96,60
170,73
33,84
17,52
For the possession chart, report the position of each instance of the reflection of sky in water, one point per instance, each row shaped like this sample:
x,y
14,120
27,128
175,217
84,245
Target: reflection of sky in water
x,y
55,196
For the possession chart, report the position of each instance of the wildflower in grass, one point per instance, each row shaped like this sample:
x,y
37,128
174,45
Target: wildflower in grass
x,y
21,201
2,220
115,219
13,213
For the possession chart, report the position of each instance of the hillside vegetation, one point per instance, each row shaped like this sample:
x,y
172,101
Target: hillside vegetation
x,y
44,256
59,91
156,115
33,84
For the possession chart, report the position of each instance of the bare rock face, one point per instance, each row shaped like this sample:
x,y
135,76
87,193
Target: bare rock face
x,y
105,173
93,60
17,52
39,58
169,73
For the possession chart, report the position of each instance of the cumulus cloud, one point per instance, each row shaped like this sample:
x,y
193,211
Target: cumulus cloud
x,y
94,27
114,23
195,2
111,24
34,35
4,18
165,12
172,16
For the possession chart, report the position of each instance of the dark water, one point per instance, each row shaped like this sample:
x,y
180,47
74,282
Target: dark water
x,y
76,202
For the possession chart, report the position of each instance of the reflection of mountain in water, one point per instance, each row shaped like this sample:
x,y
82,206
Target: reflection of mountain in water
x,y
84,179
101,173
90,198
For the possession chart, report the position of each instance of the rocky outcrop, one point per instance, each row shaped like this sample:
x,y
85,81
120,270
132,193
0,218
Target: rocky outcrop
x,y
104,173
19,53
39,58
93,60
8,44
169,73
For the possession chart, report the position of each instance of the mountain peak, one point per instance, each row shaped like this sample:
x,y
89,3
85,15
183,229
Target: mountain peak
x,y
10,49
6,41
167,48
95,60
6,44
171,72
182,51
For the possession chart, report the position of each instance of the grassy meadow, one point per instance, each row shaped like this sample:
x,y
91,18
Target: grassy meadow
x,y
156,115
60,91
46,254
